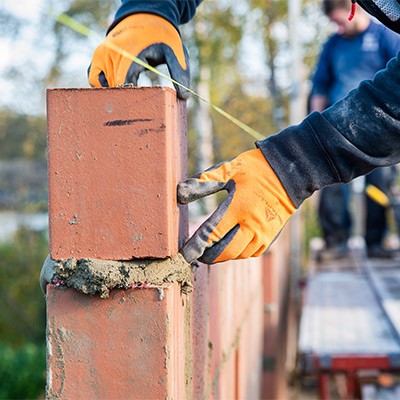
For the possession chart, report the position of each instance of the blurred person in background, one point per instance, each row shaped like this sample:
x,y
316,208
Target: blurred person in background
x,y
357,50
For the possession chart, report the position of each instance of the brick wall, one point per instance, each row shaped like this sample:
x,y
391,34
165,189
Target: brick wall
x,y
240,320
115,157
227,330
276,280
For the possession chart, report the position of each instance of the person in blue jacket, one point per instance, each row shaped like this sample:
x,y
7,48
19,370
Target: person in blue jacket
x,y
265,185
355,52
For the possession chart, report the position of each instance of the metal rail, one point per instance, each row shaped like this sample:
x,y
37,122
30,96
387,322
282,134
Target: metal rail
x,y
366,267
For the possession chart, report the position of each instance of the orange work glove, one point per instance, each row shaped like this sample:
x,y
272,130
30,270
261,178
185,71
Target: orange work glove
x,y
148,37
248,220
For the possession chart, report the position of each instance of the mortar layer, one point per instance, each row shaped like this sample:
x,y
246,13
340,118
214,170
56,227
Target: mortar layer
x,y
94,276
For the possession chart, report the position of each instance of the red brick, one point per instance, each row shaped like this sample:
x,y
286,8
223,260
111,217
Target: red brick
x,y
130,345
250,354
227,377
115,158
227,326
216,340
200,332
276,281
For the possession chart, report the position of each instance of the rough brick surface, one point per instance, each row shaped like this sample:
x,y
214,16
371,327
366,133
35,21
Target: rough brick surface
x,y
227,330
200,332
115,158
276,282
129,346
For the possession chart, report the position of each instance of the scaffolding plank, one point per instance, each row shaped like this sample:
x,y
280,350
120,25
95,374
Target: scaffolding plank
x,y
341,316
386,278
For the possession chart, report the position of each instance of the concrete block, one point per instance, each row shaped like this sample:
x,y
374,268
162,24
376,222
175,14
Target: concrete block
x,y
115,157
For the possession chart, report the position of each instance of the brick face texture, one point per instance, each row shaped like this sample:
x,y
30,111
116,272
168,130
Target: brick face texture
x,y
128,346
115,158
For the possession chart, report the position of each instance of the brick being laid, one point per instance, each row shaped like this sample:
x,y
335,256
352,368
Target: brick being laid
x,y
115,157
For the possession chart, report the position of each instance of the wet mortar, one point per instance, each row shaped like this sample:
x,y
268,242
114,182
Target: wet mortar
x,y
94,276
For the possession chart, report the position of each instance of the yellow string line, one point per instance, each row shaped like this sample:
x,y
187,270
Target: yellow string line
x,y
85,31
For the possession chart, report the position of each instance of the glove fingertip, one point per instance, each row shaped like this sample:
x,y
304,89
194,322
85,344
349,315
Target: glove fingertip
x,y
181,92
47,273
97,78
188,255
186,192
103,80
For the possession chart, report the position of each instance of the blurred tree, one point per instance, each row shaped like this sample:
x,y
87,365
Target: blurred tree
x,y
22,320
22,371
22,136
20,294
272,25
251,110
56,52
213,67
318,27
270,14
214,61
96,15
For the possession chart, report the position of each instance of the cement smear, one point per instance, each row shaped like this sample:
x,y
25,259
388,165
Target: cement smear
x,y
93,276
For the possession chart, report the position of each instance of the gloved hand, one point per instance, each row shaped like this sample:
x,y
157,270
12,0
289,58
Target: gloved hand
x,y
248,220
148,37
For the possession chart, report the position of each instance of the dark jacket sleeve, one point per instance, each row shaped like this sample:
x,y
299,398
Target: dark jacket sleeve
x,y
175,11
351,138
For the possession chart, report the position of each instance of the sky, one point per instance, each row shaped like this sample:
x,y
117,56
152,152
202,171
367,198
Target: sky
x,y
16,51
10,50
32,53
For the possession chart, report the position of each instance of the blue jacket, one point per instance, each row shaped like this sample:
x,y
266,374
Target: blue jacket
x,y
345,62
351,138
